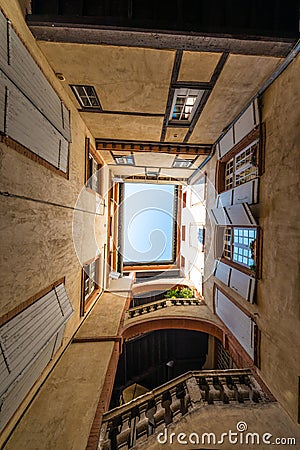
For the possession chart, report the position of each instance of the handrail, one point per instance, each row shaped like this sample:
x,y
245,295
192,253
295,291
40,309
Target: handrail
x,y
163,303
133,422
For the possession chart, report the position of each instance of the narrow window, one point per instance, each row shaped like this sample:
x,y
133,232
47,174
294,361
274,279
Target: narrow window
x,y
183,232
87,96
90,284
93,179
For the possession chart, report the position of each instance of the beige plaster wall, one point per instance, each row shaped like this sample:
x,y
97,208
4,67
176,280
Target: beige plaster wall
x,y
36,238
278,314
278,289
61,415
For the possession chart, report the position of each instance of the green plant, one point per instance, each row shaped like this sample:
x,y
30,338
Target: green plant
x,y
186,292
179,293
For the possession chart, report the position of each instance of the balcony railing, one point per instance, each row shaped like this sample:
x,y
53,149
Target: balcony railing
x,y
132,423
165,303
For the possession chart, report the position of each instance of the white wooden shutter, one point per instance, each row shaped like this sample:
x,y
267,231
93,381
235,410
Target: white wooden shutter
x,y
245,123
27,343
238,281
245,193
248,120
3,40
36,117
226,143
224,199
243,284
240,215
240,325
222,272
2,103
237,215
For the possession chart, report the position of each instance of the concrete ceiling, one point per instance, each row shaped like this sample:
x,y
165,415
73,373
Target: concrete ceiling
x,y
135,87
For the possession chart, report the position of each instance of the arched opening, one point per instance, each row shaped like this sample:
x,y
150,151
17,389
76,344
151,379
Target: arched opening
x,y
151,359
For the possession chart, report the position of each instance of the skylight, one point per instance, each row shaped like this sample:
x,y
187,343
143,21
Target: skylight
x,y
149,223
184,104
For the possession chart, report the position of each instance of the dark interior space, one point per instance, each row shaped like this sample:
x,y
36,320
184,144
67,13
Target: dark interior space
x,y
148,297
144,359
253,17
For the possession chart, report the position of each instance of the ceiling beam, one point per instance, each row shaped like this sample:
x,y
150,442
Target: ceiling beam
x,y
54,31
153,147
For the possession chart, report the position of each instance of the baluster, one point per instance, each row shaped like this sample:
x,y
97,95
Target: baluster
x,y
229,393
243,393
183,397
104,436
114,430
159,416
175,402
134,415
151,410
254,394
166,404
123,437
213,393
142,424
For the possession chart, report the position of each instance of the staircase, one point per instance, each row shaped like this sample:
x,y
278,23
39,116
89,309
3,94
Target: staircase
x,y
131,424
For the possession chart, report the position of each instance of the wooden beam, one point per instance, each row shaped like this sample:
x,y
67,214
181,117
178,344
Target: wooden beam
x,y
153,147
53,31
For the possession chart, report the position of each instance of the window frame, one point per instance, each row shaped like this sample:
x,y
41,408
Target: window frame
x,y
254,138
93,285
75,87
253,271
177,161
185,93
131,156
91,157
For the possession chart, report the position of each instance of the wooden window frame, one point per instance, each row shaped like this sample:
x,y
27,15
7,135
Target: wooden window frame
x,y
184,199
131,156
185,93
75,87
253,138
257,259
91,154
87,302
183,233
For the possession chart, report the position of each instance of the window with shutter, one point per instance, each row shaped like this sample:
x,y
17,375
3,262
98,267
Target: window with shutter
x,y
28,342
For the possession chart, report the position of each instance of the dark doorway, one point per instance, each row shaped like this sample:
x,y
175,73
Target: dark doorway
x,y
154,358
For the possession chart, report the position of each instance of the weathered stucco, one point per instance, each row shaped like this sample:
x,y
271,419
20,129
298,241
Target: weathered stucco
x,y
61,415
278,289
277,308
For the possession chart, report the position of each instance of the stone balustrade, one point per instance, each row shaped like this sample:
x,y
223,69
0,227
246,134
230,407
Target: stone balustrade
x,y
128,425
165,303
